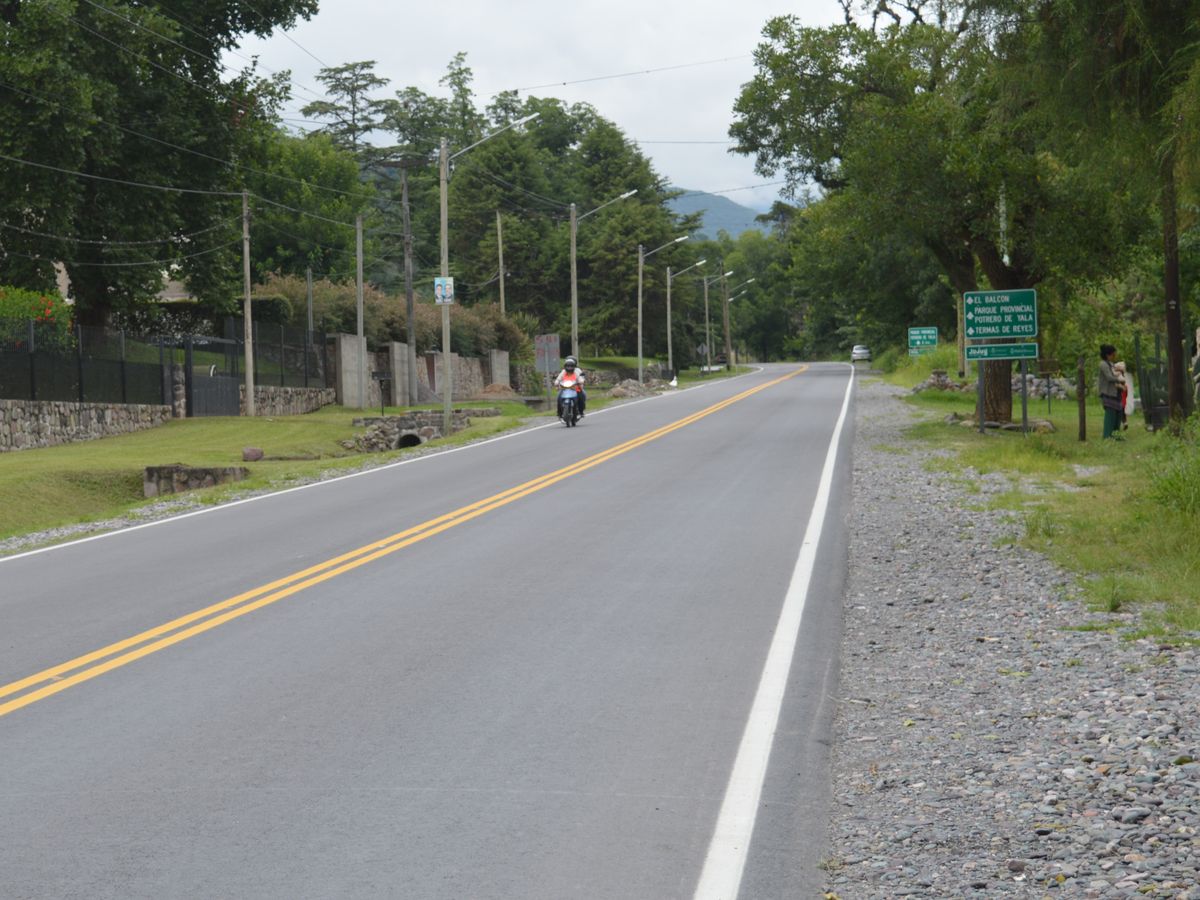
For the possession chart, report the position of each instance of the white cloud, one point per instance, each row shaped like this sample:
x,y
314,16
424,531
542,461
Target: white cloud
x,y
537,42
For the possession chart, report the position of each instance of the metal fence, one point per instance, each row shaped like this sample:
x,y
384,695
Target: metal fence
x,y
1151,377
42,361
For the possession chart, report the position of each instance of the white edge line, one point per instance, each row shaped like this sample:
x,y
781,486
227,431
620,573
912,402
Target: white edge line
x,y
721,877
303,487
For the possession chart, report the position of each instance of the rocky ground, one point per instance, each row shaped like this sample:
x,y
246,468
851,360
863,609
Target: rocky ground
x,y
994,737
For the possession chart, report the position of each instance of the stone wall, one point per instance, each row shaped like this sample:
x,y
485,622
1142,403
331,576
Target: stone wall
x,y
176,478
287,401
411,429
26,424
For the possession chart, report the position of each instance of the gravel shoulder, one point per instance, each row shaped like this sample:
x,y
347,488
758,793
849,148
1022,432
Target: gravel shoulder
x,y
990,739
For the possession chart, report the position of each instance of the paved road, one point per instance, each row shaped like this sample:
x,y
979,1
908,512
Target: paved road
x,y
528,668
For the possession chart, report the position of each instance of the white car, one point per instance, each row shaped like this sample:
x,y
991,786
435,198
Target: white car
x,y
860,352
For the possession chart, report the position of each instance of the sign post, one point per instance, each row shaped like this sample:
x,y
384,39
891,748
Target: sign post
x,y
443,296
922,339
545,348
1000,314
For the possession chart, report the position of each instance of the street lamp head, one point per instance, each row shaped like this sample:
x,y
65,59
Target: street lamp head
x,y
628,194
526,119
681,238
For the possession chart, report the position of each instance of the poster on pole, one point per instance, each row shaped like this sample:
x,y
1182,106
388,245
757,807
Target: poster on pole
x,y
545,347
443,291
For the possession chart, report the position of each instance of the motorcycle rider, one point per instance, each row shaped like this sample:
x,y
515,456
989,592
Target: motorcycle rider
x,y
571,375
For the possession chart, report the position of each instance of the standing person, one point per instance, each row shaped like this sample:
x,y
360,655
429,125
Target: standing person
x,y
573,375
1126,395
1109,383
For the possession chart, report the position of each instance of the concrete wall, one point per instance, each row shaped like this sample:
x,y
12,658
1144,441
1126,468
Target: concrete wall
x,y
26,424
470,375
351,353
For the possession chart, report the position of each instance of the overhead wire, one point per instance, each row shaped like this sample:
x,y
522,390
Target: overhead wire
x,y
141,184
149,262
112,243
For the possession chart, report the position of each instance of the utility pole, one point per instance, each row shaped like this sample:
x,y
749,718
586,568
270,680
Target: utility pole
x,y
410,319
725,317
641,263
575,290
362,341
448,377
707,330
308,294
247,315
500,250
670,356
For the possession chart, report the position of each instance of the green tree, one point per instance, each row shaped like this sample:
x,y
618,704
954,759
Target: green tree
x,y
127,95
351,112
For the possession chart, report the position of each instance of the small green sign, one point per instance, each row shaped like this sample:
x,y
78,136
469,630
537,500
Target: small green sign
x,y
1002,351
1000,314
924,336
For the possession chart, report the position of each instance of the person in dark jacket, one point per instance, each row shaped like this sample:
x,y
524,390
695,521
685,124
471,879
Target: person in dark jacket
x,y
1110,383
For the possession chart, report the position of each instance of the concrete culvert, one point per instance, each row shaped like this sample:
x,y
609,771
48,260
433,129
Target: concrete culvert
x,y
408,440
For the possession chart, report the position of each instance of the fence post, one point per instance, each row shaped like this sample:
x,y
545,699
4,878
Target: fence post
x,y
163,378
1081,394
79,358
32,363
282,357
124,374
188,397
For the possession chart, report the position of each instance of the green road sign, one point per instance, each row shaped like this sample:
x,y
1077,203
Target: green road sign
x,y
1000,314
1002,351
922,337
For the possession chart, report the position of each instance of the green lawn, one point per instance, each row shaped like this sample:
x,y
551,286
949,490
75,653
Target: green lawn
x,y
1121,514
96,480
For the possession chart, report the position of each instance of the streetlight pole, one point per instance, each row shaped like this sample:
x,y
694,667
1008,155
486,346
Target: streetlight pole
x,y
707,324
444,158
642,254
725,310
670,355
575,219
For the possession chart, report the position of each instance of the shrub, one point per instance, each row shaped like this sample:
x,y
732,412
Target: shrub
x,y
49,312
1175,470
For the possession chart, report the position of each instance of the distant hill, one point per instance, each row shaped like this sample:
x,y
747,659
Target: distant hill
x,y
720,213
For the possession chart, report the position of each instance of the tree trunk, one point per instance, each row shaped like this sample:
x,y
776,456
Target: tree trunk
x,y
1170,226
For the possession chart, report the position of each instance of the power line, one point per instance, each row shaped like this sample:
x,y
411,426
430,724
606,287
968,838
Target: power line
x,y
303,212
110,243
197,153
707,62
149,262
141,184
282,31
748,187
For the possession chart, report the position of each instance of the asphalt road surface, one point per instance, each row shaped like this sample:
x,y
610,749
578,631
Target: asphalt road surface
x,y
567,663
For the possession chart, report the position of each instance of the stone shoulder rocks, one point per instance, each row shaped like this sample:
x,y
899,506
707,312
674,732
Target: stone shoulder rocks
x,y
995,739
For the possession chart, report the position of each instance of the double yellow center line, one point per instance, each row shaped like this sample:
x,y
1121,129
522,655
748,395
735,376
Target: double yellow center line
x,y
84,668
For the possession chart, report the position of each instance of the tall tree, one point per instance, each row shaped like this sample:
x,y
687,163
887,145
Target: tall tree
x,y
1126,66
131,97
351,112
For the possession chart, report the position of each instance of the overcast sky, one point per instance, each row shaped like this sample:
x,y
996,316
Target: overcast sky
x,y
536,45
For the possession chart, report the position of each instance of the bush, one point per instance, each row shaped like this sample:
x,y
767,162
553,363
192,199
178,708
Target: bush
x,y
271,309
473,329
1175,470
49,312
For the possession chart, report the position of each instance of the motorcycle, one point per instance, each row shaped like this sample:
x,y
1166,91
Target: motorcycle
x,y
568,399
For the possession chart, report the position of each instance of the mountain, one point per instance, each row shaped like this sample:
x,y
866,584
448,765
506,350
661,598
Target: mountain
x,y
720,213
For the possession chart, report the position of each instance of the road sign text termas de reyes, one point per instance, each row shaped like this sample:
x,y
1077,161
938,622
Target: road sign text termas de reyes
x,y
1000,314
